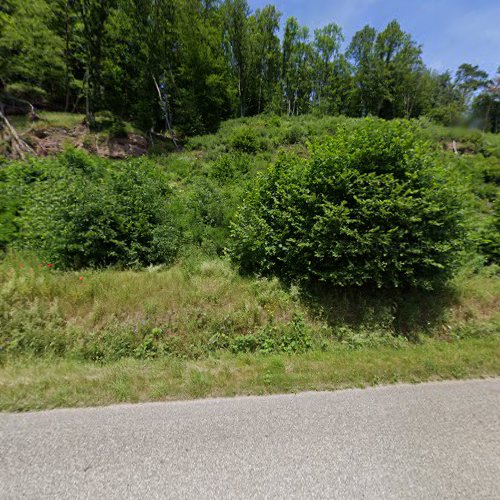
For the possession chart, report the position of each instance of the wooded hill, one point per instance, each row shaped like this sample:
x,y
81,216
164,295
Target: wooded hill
x,y
185,65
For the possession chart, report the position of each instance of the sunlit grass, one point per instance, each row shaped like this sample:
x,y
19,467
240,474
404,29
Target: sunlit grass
x,y
35,384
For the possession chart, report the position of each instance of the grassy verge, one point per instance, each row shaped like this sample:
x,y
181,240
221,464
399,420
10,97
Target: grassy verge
x,y
199,329
28,384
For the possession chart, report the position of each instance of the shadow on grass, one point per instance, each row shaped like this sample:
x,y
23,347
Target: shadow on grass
x,y
403,312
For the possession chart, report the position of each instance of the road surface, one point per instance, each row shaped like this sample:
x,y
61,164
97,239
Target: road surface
x,y
437,440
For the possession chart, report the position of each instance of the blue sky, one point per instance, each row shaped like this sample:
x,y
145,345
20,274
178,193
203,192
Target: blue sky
x,y
450,31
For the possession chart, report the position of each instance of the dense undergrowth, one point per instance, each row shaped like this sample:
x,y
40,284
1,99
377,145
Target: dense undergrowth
x,y
108,260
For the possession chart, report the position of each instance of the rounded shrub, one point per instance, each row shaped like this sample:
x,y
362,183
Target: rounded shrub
x,y
372,205
81,211
245,140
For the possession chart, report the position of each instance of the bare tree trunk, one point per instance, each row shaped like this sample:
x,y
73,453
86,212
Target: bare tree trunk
x,y
260,94
163,97
66,56
240,92
88,112
19,146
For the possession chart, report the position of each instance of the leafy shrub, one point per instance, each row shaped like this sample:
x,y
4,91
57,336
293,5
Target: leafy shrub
x,y
28,91
489,243
118,130
203,211
291,338
105,120
202,142
449,114
373,205
8,207
491,170
245,140
228,166
294,135
82,211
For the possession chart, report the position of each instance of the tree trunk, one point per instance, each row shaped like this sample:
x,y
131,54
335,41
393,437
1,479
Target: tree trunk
x,y
163,98
66,57
240,92
88,112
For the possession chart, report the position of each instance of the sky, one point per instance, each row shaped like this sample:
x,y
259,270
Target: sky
x,y
451,32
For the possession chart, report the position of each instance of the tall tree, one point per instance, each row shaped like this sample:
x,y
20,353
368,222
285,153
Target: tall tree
x,y
93,15
142,60
204,74
402,68
31,52
236,23
469,79
267,47
296,68
486,106
369,89
326,43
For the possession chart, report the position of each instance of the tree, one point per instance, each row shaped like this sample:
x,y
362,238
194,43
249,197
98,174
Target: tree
x,y
368,81
296,68
401,71
440,99
93,15
31,52
141,61
236,14
182,66
469,79
486,106
388,71
204,75
326,43
267,48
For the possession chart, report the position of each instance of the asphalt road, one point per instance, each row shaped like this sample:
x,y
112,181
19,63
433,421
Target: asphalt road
x,y
438,440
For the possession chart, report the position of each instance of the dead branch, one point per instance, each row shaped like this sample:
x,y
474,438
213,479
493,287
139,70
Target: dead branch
x,y
20,147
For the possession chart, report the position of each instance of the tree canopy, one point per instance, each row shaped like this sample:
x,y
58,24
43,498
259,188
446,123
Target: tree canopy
x,y
186,65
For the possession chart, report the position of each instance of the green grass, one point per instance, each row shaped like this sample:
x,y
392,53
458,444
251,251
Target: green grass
x,y
69,342
162,332
36,384
57,119
201,305
47,119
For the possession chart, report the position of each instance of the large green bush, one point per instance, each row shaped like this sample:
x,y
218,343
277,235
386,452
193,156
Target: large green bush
x,y
77,210
372,205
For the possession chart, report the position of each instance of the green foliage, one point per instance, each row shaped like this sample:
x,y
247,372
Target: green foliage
x,y
31,52
204,211
35,337
231,166
9,203
373,205
184,66
80,211
490,237
291,338
246,141
294,134
27,91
